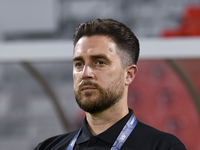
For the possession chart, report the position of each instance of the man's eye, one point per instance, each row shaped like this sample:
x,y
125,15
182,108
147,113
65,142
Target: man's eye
x,y
100,63
79,64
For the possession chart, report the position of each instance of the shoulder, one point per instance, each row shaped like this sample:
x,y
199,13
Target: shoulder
x,y
146,136
55,142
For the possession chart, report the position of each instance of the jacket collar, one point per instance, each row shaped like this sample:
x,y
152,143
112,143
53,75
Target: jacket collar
x,y
109,136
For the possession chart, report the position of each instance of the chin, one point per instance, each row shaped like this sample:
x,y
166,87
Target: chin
x,y
90,94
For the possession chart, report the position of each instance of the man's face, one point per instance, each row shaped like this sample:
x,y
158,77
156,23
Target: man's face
x,y
97,73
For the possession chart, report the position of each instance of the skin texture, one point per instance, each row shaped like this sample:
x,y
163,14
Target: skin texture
x,y
100,82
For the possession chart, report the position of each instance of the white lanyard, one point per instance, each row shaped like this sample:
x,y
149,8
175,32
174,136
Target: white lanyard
x,y
124,134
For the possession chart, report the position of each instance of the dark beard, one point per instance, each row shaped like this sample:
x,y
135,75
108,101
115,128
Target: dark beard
x,y
107,97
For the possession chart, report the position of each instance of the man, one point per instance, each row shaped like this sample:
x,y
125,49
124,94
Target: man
x,y
104,65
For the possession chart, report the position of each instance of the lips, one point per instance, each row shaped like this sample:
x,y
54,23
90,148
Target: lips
x,y
88,88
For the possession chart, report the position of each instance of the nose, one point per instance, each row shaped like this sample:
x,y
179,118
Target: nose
x,y
87,72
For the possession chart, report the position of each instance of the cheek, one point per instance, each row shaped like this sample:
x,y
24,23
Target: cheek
x,y
116,75
76,78
106,78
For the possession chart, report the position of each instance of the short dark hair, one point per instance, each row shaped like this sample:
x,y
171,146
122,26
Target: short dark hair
x,y
124,38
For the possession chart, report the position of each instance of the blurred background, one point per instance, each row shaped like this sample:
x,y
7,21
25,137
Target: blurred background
x,y
36,85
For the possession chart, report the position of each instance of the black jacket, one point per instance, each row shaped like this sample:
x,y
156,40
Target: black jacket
x,y
143,137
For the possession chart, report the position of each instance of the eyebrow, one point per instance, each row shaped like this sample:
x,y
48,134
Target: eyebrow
x,y
100,56
77,58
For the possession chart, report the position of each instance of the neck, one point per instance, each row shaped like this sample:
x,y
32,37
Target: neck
x,y
99,122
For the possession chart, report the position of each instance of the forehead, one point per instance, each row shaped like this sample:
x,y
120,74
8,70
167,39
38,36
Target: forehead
x,y
95,45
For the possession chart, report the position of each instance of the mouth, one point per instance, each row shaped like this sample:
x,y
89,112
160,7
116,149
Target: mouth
x,y
88,88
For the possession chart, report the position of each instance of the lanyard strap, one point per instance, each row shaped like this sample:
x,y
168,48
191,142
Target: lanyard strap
x,y
124,134
73,141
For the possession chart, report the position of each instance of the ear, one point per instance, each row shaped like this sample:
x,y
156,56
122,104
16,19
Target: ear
x,y
131,72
